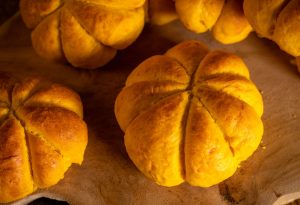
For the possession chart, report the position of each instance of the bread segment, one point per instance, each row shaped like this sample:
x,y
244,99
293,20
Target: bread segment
x,y
57,126
139,97
219,62
37,92
116,28
238,87
22,91
239,122
208,157
199,15
157,149
46,38
47,97
79,47
48,164
15,169
189,54
34,11
232,25
157,69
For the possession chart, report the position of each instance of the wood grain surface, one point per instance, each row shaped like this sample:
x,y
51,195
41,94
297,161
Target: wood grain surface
x,y
107,176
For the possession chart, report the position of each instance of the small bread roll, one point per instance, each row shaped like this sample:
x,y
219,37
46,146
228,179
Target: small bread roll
x,y
190,115
85,33
41,134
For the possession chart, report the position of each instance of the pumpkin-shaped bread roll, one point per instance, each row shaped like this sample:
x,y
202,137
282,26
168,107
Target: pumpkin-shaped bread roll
x,y
190,115
41,134
277,20
86,33
226,19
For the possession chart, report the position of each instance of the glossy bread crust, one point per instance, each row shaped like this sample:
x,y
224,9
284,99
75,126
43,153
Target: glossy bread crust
x,y
190,115
41,134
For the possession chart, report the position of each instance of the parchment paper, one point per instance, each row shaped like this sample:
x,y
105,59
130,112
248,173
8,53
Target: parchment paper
x,y
107,176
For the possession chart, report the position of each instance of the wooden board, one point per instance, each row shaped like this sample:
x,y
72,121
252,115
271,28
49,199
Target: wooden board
x,y
107,176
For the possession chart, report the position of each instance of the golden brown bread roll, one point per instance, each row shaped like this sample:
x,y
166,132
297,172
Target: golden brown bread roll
x,y
86,33
277,20
190,115
226,19
41,134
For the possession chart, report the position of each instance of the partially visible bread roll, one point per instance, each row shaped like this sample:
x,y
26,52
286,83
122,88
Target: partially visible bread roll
x,y
41,134
277,20
86,33
232,25
226,19
190,115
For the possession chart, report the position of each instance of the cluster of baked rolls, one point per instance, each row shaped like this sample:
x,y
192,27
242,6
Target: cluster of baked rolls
x,y
189,115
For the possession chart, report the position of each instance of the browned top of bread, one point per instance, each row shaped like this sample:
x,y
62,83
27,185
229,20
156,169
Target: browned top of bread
x,y
41,134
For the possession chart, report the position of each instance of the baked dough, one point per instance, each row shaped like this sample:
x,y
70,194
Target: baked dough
x,y
232,25
277,20
41,134
190,115
86,33
226,19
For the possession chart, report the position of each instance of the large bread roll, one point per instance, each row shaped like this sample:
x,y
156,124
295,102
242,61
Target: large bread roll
x,y
226,19
86,33
41,134
277,20
190,115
